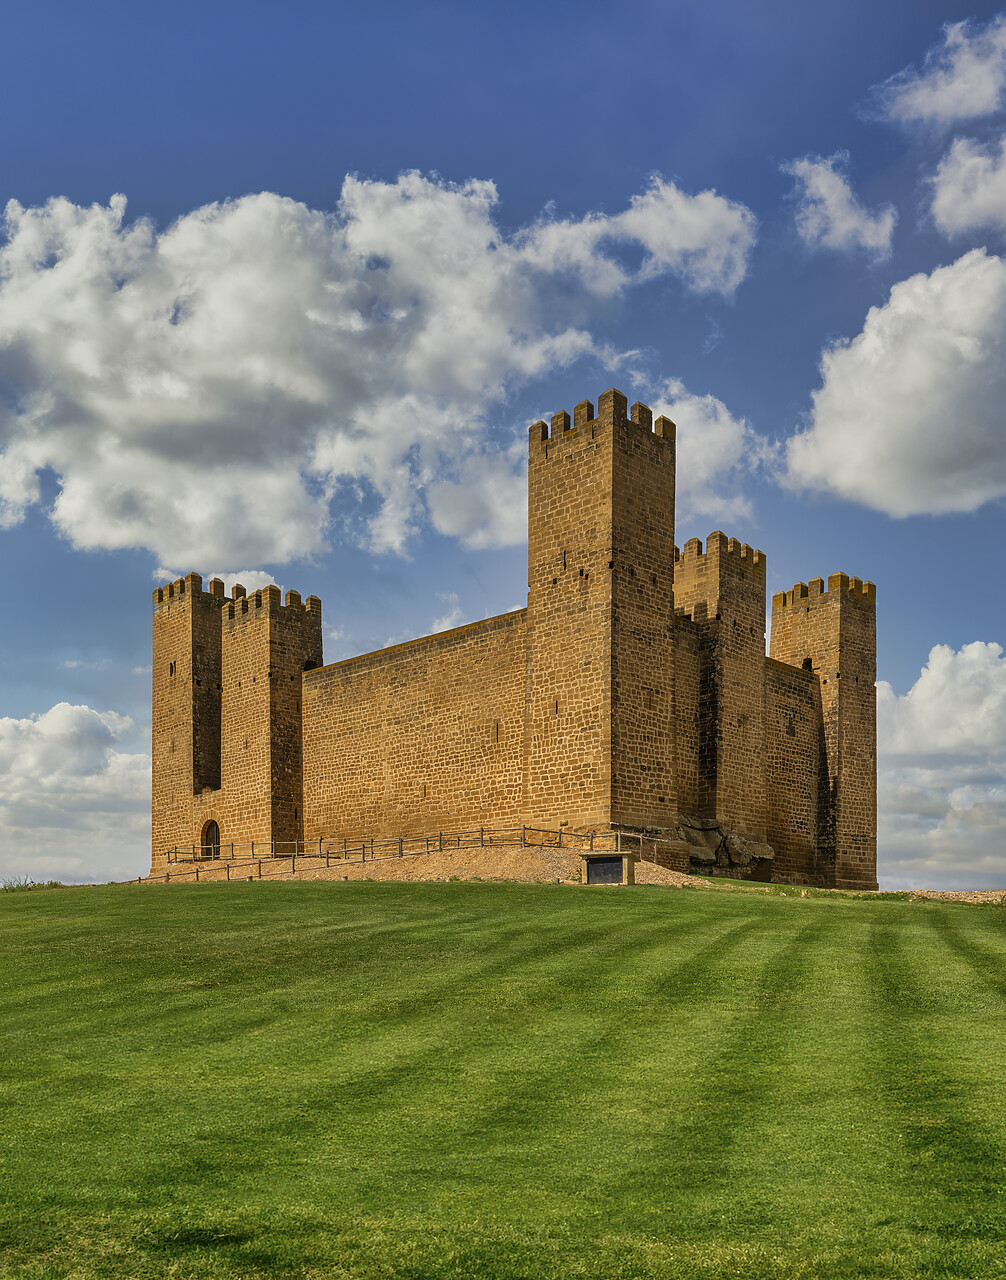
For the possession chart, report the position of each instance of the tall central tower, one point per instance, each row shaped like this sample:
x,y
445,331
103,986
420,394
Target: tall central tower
x,y
599,724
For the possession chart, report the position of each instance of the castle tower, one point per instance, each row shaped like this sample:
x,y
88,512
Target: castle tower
x,y
599,725
722,590
833,633
226,718
266,648
185,728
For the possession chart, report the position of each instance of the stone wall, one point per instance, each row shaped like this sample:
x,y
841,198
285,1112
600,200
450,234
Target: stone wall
x,y
423,736
632,693
722,590
226,714
793,757
599,737
832,633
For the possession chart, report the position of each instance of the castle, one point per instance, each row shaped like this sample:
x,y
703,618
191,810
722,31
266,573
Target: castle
x,y
633,694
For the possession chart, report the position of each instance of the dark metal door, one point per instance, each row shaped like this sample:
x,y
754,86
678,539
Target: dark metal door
x,y
604,870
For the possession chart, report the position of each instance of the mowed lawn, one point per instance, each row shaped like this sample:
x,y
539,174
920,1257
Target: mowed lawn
x,y
483,1080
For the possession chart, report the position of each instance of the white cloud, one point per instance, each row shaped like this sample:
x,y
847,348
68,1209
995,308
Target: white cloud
x,y
961,78
909,417
715,452
942,766
453,617
483,498
969,188
219,390
828,215
251,579
73,806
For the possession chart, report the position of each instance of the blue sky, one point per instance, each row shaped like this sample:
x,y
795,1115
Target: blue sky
x,y
358,248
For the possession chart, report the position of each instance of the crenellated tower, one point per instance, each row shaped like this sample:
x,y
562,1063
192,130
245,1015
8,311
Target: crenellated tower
x,y
833,634
599,728
633,693
185,722
267,646
722,591
226,723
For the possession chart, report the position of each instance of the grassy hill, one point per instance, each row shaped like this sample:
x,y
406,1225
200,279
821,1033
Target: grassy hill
x,y
484,1080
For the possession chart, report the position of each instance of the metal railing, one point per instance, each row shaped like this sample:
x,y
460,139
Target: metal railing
x,y
275,854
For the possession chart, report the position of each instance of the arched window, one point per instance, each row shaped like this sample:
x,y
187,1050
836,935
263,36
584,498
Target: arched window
x,y
210,841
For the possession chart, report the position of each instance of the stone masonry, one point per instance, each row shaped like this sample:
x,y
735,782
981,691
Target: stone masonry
x,y
632,694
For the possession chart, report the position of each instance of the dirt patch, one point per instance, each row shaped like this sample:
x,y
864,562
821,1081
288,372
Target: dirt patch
x,y
994,896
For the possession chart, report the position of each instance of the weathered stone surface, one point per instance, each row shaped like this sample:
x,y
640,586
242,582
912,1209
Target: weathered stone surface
x,y
633,692
698,824
761,851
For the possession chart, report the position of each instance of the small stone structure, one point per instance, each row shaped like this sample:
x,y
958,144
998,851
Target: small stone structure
x,y
632,694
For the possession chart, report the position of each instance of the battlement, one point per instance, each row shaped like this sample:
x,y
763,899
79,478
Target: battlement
x,y
722,553
612,410
595,708
191,587
239,602
806,594
269,600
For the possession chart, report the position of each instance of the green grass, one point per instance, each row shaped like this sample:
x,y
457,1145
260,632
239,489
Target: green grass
x,y
483,1080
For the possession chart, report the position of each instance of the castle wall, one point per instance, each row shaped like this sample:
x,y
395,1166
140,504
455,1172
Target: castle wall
x,y
632,689
689,645
421,737
793,753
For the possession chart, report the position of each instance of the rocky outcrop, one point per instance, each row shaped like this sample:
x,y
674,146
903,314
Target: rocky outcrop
x,y
712,848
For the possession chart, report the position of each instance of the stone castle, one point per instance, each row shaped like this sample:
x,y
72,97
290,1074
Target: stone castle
x,y
633,694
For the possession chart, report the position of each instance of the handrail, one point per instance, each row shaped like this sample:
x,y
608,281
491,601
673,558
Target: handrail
x,y
481,837
355,851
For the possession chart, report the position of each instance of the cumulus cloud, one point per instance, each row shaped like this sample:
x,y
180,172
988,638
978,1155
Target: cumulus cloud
x,y
961,78
969,187
454,614
909,417
73,805
828,214
483,500
221,390
715,452
250,579
942,767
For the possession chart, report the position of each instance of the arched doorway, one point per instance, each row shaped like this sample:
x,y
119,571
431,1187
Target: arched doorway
x,y
210,841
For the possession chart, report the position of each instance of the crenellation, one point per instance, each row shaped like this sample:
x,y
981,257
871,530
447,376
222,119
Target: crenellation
x,y
632,693
665,428
862,592
642,415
